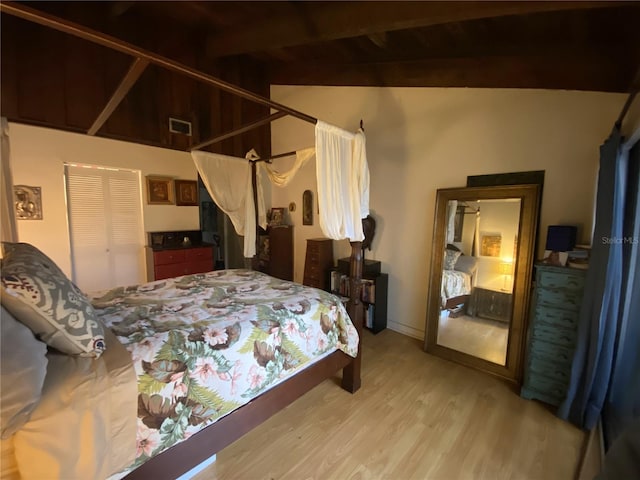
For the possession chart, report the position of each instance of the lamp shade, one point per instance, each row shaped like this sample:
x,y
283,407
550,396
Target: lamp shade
x,y
561,238
505,268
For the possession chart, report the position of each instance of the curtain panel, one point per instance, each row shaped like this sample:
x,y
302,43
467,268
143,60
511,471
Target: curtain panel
x,y
343,181
605,377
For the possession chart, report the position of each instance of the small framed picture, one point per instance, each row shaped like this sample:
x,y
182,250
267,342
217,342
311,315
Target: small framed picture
x,y
490,244
277,217
28,202
159,190
186,192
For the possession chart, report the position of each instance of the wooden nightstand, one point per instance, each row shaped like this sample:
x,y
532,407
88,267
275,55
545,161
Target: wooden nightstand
x,y
491,304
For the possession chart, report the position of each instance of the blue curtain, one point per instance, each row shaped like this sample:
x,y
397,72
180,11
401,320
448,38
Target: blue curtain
x,y
605,377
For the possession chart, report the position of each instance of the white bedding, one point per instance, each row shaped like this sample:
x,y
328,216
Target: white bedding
x,y
87,403
454,284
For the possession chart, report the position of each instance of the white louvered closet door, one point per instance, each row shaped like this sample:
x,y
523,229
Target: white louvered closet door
x,y
105,227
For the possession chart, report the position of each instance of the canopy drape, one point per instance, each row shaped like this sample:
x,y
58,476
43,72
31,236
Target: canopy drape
x,y
343,181
342,176
7,213
228,181
282,179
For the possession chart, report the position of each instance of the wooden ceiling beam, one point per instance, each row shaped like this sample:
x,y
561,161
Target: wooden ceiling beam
x,y
594,72
71,28
336,20
138,66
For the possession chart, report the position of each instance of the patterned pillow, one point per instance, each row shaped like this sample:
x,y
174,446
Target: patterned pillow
x,y
450,259
38,294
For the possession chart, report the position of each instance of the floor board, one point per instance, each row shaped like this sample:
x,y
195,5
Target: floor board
x,y
476,336
415,417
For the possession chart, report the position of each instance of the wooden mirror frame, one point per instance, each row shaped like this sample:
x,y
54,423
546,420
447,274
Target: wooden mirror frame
x,y
529,197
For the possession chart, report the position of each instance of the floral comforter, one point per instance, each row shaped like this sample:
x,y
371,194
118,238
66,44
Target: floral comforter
x,y
203,345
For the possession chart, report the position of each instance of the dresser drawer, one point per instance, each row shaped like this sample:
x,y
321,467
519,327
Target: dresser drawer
x,y
313,247
558,372
551,351
201,266
166,257
548,387
551,334
556,316
566,281
169,271
195,254
567,299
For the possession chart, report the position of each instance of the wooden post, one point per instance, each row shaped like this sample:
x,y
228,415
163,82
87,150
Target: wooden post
x,y
254,188
351,373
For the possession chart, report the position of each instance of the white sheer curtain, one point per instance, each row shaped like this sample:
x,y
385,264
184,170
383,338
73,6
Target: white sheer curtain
x,y
7,212
282,179
228,181
452,209
343,181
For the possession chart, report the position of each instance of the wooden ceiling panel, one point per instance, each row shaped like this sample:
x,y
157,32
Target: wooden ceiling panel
x,y
504,44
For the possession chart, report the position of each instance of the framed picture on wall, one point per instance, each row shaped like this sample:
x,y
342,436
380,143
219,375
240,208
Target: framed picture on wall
x,y
28,202
277,217
159,190
307,207
490,244
186,193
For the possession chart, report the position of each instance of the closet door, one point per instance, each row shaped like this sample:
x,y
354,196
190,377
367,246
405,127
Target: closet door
x,y
105,226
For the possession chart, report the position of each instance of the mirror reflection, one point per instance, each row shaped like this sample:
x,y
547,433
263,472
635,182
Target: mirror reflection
x,y
476,291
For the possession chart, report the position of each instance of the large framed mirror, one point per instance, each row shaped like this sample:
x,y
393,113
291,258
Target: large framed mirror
x,y
481,269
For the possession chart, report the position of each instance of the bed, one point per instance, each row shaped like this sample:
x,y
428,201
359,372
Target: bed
x,y
458,276
190,365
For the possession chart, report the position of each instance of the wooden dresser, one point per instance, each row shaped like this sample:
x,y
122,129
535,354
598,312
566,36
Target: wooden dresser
x,y
318,263
167,263
553,326
275,252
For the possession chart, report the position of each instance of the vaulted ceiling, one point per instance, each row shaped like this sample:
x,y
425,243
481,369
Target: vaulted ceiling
x,y
558,45
553,45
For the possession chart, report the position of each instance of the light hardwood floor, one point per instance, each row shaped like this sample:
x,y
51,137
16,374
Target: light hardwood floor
x,y
476,336
415,417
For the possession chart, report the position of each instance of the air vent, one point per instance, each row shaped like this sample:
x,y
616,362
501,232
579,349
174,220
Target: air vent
x,y
179,126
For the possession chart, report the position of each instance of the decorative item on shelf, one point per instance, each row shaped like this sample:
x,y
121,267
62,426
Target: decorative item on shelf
x,y
28,202
277,217
307,207
369,230
159,191
186,193
579,257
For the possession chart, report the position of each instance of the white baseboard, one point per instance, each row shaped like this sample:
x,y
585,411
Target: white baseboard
x,y
405,330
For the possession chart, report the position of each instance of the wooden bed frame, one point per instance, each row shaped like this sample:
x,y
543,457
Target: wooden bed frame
x,y
181,458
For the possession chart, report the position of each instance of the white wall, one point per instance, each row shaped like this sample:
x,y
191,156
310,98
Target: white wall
x,y
422,139
38,156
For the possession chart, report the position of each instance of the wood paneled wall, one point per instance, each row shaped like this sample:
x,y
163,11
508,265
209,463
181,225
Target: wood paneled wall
x,y
55,80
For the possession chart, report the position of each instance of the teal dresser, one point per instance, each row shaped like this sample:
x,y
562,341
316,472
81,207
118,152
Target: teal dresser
x,y
553,326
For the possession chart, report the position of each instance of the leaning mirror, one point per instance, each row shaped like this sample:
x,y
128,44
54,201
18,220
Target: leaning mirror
x,y
481,265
